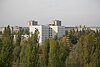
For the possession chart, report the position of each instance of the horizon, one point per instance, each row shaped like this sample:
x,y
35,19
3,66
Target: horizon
x,y
46,25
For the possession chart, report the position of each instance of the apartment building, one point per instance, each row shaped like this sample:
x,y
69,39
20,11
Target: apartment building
x,y
46,31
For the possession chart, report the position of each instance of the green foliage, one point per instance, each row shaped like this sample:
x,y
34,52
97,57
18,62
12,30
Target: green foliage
x,y
45,55
64,51
54,60
66,32
29,52
24,54
87,51
95,58
17,49
0,45
34,47
54,52
7,48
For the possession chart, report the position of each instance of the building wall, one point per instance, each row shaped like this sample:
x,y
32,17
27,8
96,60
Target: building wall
x,y
43,32
47,31
32,30
59,30
54,30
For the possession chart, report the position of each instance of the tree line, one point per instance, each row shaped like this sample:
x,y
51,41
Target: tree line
x,y
77,48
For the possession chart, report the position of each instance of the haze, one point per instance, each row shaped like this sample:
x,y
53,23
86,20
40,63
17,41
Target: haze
x,y
70,12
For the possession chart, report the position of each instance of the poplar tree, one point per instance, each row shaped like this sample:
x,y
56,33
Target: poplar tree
x,y
24,54
16,51
34,47
0,46
29,56
64,51
54,60
45,49
95,58
0,51
86,53
7,48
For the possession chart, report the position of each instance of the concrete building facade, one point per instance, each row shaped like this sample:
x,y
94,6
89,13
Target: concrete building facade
x,y
46,31
43,31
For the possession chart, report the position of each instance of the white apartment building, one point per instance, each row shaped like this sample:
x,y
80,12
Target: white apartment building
x,y
57,30
43,30
46,31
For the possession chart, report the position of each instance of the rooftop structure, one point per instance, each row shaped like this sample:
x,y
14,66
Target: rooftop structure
x,y
55,23
32,23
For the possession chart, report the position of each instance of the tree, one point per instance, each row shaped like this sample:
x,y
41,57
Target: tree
x,y
16,51
95,57
29,51
64,51
66,32
0,46
0,50
45,49
25,54
54,60
34,47
7,48
86,53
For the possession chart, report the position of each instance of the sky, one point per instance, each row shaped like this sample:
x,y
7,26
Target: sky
x,y
70,12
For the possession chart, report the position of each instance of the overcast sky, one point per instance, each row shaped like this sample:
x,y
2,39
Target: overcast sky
x,y
70,12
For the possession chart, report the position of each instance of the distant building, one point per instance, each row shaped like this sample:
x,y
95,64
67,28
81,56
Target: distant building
x,y
43,31
15,30
53,28
46,31
69,28
57,30
94,28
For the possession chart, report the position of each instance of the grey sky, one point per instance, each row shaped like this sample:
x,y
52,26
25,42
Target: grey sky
x,y
70,12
